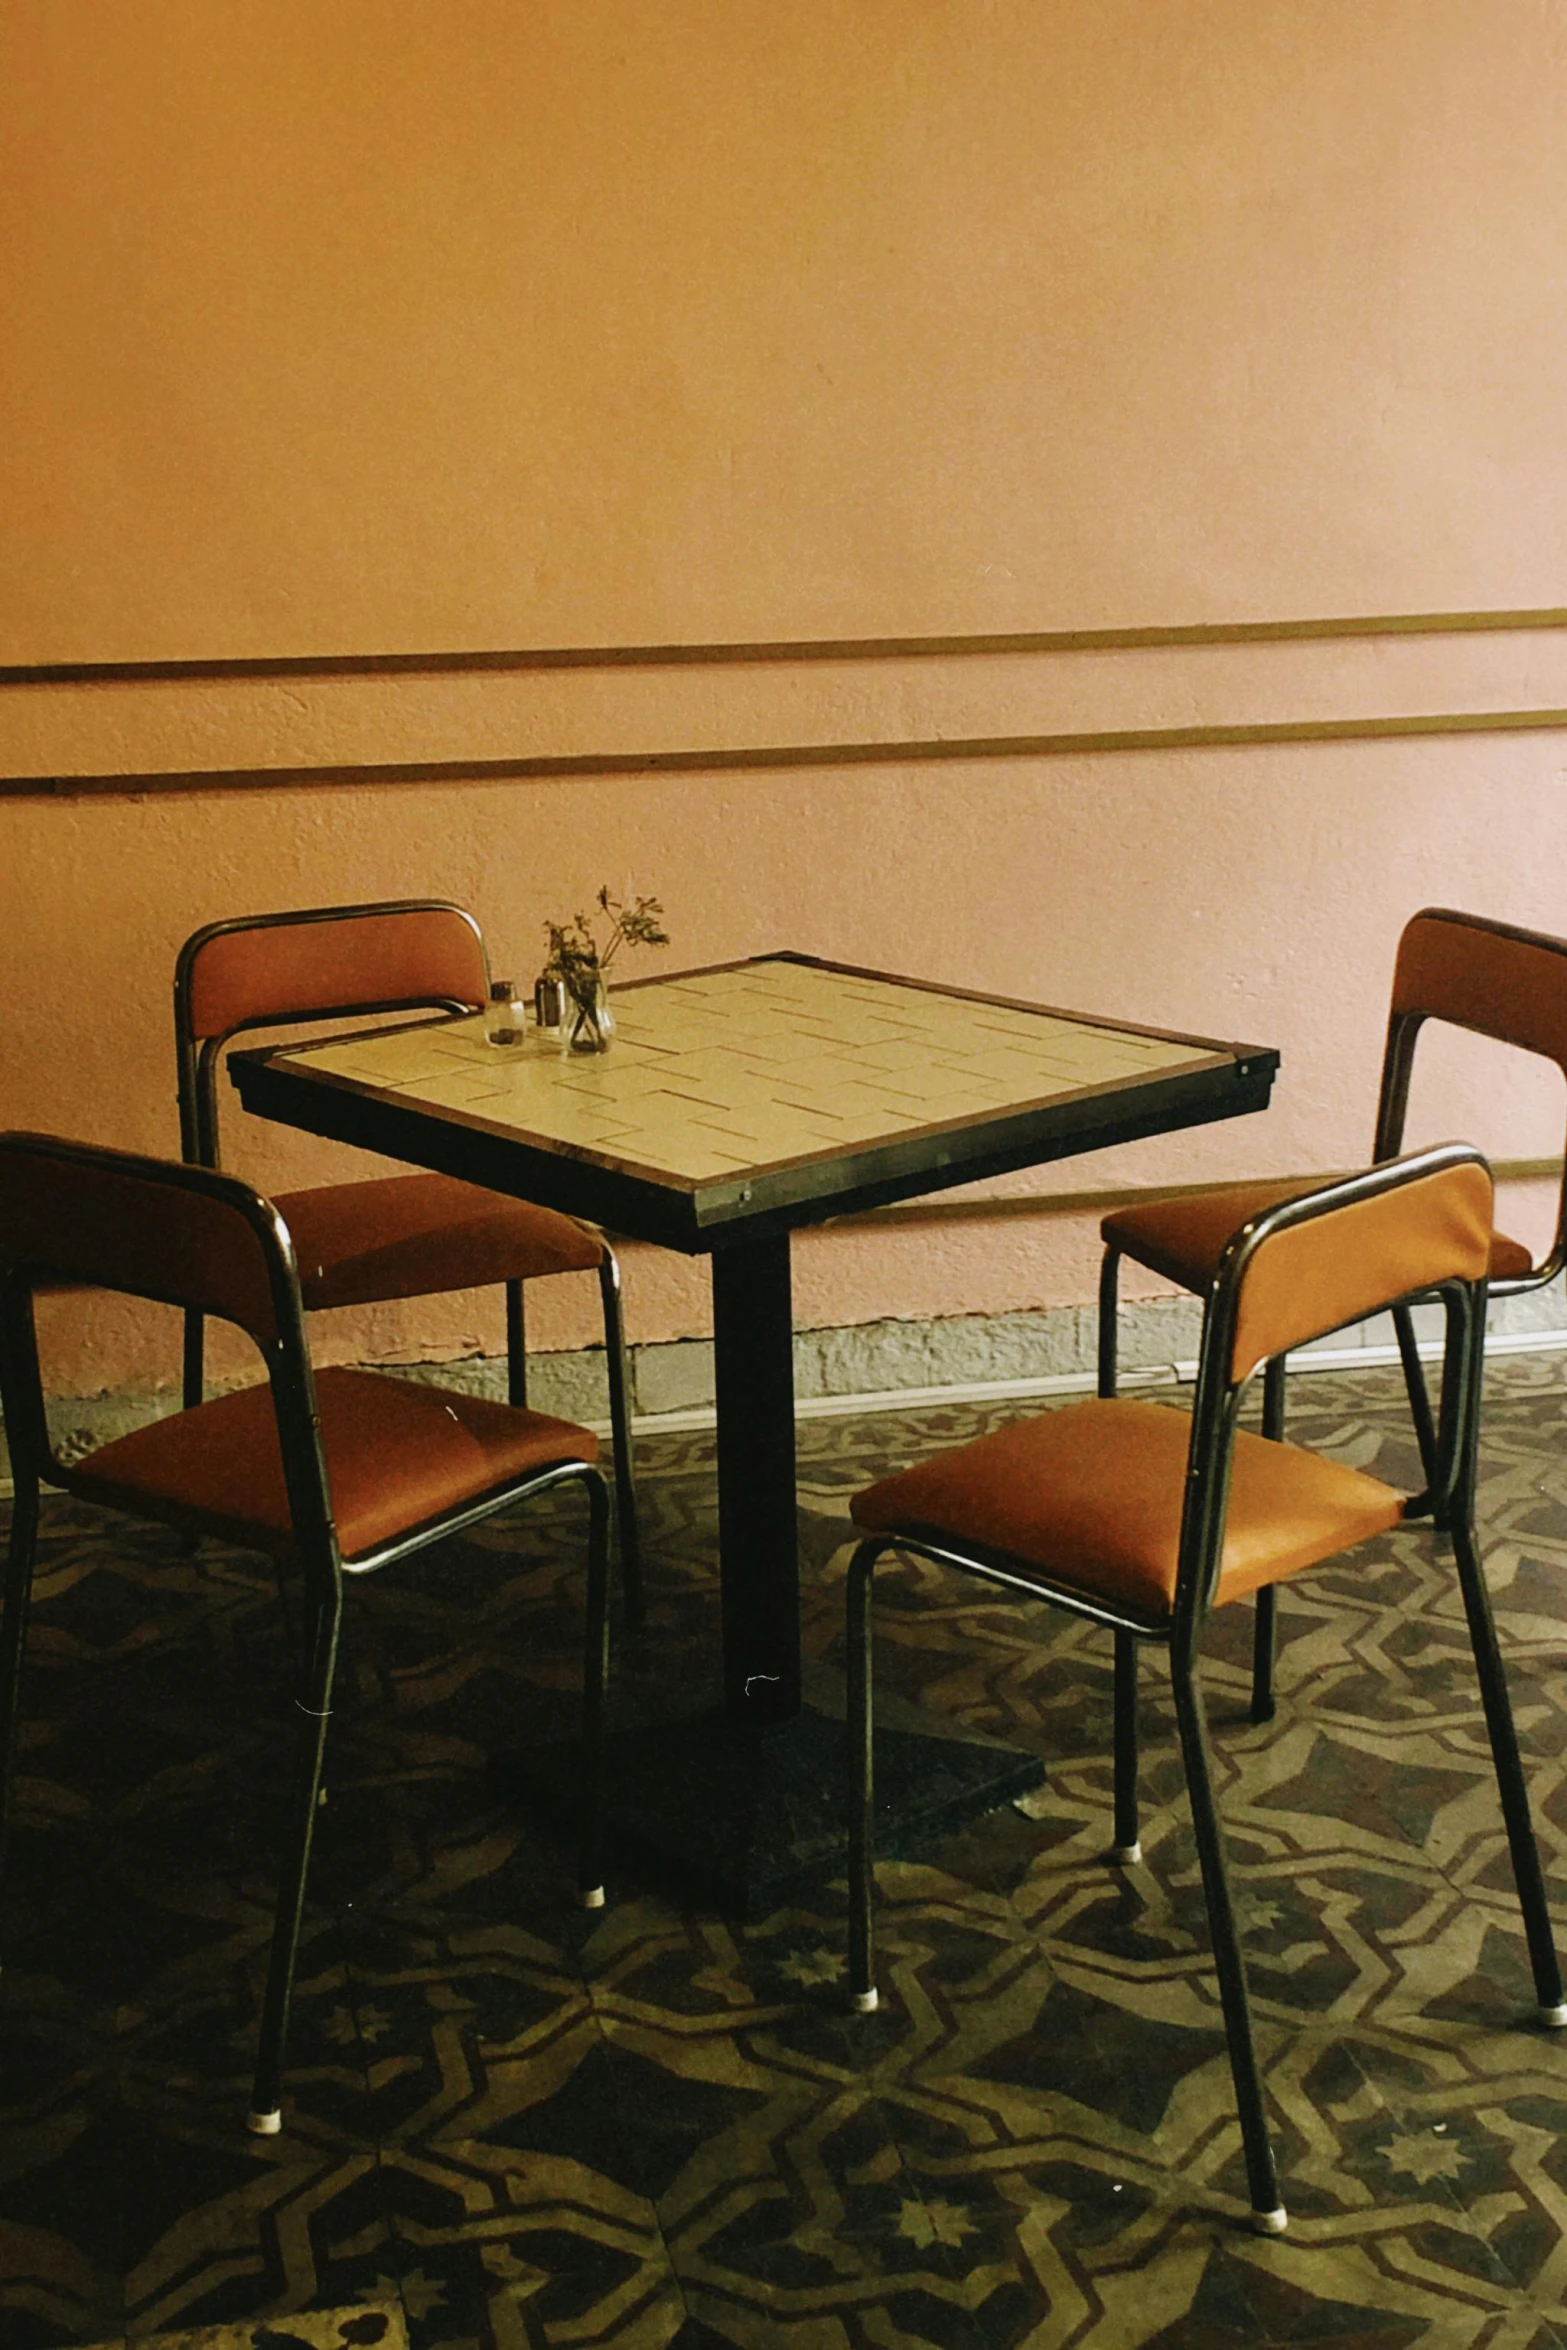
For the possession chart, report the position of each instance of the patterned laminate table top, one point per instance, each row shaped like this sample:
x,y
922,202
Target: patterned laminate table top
x,y
725,1072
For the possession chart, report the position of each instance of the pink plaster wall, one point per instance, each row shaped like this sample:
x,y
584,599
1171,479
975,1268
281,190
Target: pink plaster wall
x,y
384,327
528,321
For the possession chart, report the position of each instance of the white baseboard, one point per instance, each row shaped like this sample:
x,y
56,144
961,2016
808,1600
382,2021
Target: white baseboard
x,y
1180,1374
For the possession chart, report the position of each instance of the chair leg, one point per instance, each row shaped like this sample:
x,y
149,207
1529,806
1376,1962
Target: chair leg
x,y
1419,1411
1509,1778
1109,1306
1268,2214
21,1552
862,1791
516,1349
193,1381
1264,1704
1273,1394
627,1523
193,1384
266,2098
590,1863
1128,1848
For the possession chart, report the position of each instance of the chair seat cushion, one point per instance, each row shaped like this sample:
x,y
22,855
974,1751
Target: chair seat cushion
x,y
1184,1238
420,1235
1090,1497
1510,1260
398,1454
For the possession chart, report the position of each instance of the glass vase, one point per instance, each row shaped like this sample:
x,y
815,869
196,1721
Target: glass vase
x,y
590,1024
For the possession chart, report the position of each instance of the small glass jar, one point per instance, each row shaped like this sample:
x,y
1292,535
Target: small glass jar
x,y
506,1021
549,1004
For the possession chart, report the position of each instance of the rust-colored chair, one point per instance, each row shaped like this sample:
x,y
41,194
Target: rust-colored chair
x,y
333,1474
1129,1514
1489,977
392,1236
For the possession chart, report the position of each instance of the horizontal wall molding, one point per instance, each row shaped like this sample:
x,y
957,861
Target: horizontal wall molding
x,y
762,758
327,722
897,648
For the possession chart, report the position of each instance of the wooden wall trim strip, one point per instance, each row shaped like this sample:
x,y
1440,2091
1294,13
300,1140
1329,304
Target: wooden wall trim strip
x,y
1063,640
765,757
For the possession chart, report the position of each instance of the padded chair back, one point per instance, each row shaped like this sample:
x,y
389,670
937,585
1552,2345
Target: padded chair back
x,y
263,970
1497,981
152,1228
323,962
1312,1265
181,1235
1306,1267
1487,976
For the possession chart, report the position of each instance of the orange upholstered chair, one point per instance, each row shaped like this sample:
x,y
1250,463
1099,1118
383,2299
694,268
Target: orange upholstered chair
x,y
1488,977
1142,1520
332,1474
395,1235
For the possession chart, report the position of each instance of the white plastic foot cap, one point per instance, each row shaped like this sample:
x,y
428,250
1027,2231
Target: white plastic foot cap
x,y
1126,1856
1554,2016
593,1898
866,2002
265,2125
1271,2223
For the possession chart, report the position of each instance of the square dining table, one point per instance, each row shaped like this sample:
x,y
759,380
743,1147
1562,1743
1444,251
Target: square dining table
x,y
736,1105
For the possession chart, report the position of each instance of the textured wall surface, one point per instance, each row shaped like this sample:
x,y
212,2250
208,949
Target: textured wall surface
x,y
387,326
390,330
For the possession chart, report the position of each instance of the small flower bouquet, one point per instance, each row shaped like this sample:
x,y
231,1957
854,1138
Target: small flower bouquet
x,y
581,953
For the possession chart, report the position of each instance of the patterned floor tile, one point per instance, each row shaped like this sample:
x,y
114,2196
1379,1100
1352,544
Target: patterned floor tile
x,y
365,2326
513,2125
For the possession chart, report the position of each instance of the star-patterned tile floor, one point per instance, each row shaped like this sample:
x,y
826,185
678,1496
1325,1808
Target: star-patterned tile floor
x,y
513,2124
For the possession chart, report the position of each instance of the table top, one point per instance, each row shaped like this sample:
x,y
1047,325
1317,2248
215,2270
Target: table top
x,y
781,1089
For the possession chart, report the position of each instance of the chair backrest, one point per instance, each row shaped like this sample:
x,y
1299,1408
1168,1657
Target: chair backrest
x,y
1308,1266
1352,1248
1491,978
148,1227
151,1228
323,962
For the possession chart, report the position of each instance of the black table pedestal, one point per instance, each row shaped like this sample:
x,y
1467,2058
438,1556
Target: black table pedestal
x,y
746,1804
745,1818
758,1545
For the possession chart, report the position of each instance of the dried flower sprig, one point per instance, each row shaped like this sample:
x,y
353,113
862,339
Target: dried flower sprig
x,y
583,949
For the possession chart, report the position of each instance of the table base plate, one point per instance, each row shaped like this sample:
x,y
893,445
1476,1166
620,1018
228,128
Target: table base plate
x,y
743,1818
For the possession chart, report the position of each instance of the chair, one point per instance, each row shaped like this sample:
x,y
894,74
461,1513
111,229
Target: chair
x,y
393,1236
1128,1514
1488,977
333,1474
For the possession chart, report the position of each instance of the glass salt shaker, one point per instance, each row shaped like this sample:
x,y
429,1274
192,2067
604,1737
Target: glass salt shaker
x,y
506,1021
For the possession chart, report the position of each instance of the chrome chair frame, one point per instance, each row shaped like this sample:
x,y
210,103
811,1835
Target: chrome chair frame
x,y
1405,1022
1214,1425
198,1062
321,1563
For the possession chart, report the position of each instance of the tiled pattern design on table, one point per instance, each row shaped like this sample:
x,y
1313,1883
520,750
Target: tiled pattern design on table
x,y
534,2129
729,1071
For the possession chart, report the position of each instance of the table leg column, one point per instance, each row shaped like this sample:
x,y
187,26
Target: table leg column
x,y
759,1568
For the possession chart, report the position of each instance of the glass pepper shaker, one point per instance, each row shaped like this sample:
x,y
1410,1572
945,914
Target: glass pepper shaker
x,y
506,1021
549,1002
